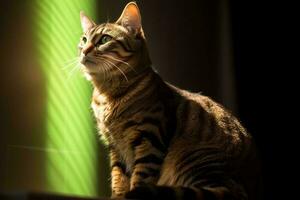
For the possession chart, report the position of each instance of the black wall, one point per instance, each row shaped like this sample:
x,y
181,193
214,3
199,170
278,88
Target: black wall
x,y
266,88
225,49
189,43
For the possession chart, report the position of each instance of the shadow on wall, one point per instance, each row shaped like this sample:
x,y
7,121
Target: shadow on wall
x,y
22,102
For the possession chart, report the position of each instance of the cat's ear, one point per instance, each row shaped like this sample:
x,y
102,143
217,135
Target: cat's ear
x,y
131,18
86,22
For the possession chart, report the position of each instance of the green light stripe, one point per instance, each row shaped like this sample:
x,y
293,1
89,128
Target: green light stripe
x,y
61,99
63,81
65,141
59,79
60,64
71,128
58,54
71,139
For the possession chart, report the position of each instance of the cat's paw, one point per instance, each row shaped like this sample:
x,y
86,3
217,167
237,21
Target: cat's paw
x,y
151,192
142,192
117,196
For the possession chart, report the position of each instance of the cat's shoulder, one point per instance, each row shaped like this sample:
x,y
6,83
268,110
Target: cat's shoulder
x,y
192,96
198,99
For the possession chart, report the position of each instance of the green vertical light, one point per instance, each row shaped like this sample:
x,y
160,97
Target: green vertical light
x,y
71,140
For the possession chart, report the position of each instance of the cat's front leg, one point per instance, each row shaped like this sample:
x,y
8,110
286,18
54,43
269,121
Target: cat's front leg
x,y
119,179
148,157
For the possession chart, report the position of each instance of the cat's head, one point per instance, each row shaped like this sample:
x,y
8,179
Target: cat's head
x,y
114,50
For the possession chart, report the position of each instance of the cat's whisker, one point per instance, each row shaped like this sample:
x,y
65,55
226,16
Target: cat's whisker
x,y
73,71
113,64
102,68
107,66
70,60
116,59
107,18
69,65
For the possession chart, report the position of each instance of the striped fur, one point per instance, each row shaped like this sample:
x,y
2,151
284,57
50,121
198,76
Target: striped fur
x,y
164,142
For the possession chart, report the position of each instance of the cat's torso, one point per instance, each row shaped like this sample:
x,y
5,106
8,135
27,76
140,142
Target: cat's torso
x,y
164,142
190,129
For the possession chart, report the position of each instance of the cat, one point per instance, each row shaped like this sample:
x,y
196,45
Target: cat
x,y
164,142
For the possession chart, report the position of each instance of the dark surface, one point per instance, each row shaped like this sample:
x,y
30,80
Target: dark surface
x,y
41,196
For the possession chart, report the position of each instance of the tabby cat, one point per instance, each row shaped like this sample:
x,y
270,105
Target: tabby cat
x,y
164,142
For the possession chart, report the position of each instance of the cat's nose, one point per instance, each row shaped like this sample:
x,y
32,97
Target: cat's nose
x,y
89,47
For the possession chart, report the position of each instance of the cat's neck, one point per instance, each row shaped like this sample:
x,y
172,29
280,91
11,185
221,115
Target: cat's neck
x,y
117,88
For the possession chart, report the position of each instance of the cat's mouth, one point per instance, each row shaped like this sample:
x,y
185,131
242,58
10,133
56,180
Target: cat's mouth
x,y
87,61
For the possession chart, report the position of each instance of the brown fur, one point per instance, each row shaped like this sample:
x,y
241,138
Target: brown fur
x,y
157,133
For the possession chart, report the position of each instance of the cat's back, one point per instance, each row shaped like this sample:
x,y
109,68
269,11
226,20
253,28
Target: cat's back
x,y
203,122
206,127
199,115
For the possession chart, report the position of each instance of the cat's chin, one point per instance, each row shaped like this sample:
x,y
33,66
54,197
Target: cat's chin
x,y
88,70
91,75
88,76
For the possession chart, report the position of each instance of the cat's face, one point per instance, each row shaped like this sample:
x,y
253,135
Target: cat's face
x,y
112,49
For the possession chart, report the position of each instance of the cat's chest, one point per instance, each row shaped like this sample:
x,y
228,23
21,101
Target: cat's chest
x,y
102,112
109,128
102,107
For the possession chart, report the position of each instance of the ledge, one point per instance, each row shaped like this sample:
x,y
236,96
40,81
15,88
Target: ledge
x,y
42,196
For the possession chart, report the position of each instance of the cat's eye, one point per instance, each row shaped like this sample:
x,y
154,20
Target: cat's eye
x,y
84,39
104,39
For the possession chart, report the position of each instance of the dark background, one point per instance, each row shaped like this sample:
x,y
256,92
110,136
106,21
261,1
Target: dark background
x,y
229,50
